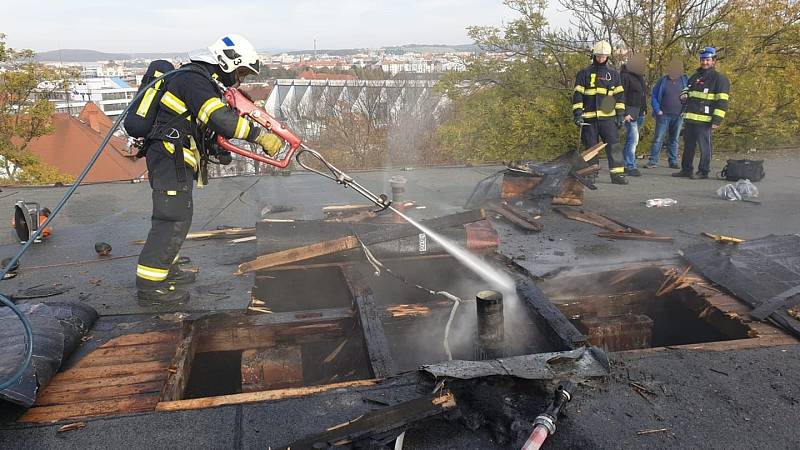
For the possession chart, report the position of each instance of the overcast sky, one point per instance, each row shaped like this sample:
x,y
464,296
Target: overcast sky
x,y
182,25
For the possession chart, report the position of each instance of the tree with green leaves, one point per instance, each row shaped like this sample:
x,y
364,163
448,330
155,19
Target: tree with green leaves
x,y
513,100
25,114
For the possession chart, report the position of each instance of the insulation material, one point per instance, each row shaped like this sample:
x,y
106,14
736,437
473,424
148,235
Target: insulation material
x,y
58,328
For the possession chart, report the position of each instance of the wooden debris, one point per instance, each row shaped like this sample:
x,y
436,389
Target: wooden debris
x,y
630,236
72,426
616,229
516,216
377,345
299,254
251,397
181,363
673,281
659,430
593,151
642,388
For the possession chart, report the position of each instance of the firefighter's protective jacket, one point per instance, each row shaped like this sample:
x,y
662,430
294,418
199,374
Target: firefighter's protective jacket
x,y
598,93
708,93
190,104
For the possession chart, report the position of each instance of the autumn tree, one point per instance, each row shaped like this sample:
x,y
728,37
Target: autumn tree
x,y
25,114
513,102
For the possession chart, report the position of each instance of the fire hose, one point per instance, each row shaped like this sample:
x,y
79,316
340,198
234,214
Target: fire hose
x,y
545,423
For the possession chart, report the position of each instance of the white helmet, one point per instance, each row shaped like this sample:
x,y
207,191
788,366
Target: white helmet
x,y
601,48
232,52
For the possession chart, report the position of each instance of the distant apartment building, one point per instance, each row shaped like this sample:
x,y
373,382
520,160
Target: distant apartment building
x,y
111,94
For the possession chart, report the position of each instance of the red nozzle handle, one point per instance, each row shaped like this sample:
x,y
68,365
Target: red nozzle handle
x,y
246,108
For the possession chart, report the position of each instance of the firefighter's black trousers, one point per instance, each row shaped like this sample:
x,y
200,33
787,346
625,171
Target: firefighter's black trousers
x,y
695,134
608,132
170,223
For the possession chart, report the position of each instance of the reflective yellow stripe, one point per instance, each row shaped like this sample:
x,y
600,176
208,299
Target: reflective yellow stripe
x,y
577,106
148,97
591,91
598,114
151,273
174,103
723,96
189,157
606,114
702,95
601,91
719,112
617,170
619,106
618,90
589,114
242,129
580,89
208,108
697,117
172,193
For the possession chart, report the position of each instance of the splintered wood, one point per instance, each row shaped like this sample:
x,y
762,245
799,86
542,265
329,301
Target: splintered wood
x,y
675,280
123,376
616,229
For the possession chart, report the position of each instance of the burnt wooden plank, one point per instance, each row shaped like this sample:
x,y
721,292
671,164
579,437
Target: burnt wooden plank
x,y
181,364
296,254
558,329
374,335
375,423
237,331
126,405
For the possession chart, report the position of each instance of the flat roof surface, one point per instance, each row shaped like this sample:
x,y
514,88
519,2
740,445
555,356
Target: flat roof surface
x,y
700,407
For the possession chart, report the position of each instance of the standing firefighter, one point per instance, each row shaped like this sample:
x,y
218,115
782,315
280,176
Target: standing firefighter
x,y
598,102
706,99
190,110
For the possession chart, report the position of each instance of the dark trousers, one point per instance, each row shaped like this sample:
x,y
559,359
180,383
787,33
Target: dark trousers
x,y
172,217
695,134
607,131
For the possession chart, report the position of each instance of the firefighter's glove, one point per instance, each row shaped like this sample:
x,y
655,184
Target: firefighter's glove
x,y
578,117
620,120
269,142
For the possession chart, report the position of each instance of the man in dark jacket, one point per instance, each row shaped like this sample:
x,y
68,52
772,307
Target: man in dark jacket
x,y
632,76
190,107
597,107
667,110
706,99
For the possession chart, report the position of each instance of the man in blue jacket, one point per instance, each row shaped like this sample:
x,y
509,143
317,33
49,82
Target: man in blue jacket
x,y
667,109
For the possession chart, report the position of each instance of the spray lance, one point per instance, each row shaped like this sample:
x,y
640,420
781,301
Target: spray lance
x,y
293,146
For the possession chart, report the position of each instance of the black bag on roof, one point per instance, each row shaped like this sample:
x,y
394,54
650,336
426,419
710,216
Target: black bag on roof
x,y
139,121
741,169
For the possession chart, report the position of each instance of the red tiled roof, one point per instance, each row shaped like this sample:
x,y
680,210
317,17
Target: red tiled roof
x,y
74,140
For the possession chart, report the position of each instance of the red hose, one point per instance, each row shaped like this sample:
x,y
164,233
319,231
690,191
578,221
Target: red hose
x,y
537,438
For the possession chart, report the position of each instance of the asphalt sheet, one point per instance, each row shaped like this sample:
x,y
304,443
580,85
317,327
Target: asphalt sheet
x,y
755,271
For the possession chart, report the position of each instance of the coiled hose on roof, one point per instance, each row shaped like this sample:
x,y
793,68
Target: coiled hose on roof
x,y
5,300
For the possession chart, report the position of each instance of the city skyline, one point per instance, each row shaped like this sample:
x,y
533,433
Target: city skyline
x,y
181,25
